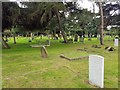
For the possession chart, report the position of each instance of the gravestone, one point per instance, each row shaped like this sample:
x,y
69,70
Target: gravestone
x,y
116,42
44,52
98,37
82,39
76,38
96,70
48,42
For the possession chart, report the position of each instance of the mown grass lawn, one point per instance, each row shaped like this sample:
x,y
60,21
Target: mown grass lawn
x,y
23,66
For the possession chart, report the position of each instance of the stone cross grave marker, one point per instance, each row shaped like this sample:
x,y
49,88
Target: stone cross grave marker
x,y
116,42
96,70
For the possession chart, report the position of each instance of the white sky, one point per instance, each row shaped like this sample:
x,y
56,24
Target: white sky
x,y
85,4
18,0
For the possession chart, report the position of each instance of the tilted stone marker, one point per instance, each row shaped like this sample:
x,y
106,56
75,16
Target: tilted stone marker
x,y
44,52
116,42
96,70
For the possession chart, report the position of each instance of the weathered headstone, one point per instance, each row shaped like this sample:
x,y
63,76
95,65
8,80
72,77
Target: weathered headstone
x,y
82,39
76,38
98,37
96,70
48,42
116,42
44,52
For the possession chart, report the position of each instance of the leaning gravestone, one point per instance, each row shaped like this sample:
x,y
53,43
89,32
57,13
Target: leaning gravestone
x,y
116,42
44,52
96,70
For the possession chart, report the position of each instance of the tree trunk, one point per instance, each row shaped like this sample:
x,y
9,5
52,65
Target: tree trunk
x,y
60,27
101,23
14,38
27,35
54,34
6,38
4,44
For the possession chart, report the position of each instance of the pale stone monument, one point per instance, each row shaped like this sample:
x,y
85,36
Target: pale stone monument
x,y
98,37
82,39
44,52
116,42
96,70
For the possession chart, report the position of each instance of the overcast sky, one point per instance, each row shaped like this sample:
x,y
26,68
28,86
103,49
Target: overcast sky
x,y
85,4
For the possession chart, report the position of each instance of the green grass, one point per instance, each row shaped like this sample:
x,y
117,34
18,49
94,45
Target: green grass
x,y
23,66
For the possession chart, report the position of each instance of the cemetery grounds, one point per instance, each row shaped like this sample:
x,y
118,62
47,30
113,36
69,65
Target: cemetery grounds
x,y
23,66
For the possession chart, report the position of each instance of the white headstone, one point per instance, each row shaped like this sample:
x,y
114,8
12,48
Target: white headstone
x,y
116,42
96,70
